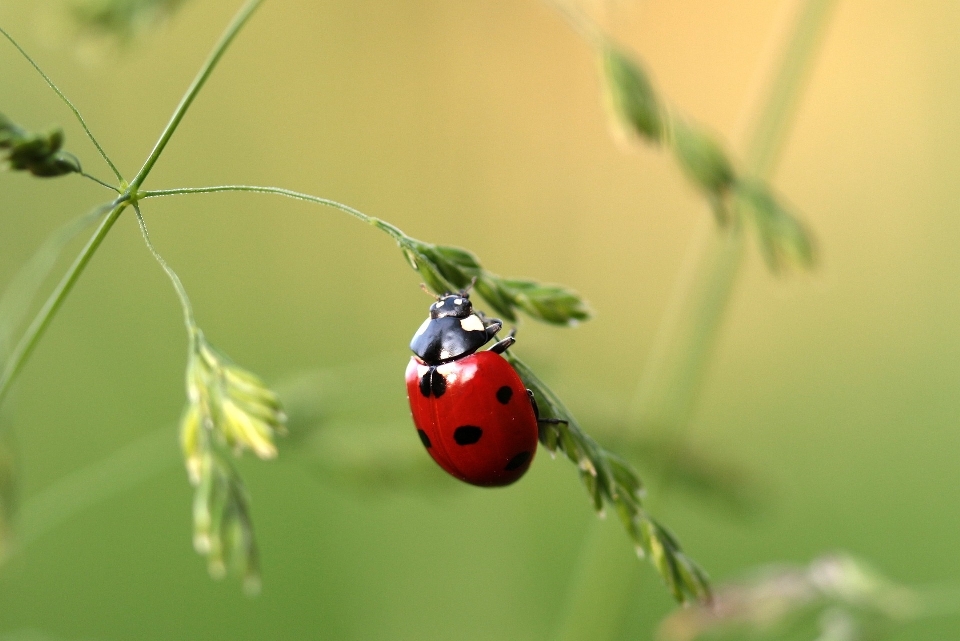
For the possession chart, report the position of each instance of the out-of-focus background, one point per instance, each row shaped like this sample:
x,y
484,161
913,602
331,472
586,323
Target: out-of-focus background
x,y
477,124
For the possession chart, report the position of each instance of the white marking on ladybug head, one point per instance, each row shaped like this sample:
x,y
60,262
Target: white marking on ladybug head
x,y
423,328
445,354
458,301
471,323
440,303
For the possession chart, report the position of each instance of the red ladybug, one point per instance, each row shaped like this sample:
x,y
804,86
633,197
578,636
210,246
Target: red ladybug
x,y
472,411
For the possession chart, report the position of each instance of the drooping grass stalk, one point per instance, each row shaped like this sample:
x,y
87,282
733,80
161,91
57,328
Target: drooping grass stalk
x,y
186,306
689,327
76,112
387,228
296,195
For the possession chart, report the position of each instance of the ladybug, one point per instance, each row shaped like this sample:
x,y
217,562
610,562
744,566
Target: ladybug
x,y
472,411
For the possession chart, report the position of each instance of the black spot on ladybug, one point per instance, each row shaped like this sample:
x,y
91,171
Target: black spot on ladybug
x,y
517,461
433,382
467,434
438,384
424,438
504,394
425,384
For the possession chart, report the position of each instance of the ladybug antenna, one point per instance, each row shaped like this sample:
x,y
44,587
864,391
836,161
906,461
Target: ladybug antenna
x,y
465,292
426,291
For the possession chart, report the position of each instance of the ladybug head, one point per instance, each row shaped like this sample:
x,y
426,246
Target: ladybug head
x,y
455,305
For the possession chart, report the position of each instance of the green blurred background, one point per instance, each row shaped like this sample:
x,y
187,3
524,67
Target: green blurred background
x,y
479,124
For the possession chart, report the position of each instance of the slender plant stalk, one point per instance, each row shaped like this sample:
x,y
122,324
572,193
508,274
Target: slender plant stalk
x,y
689,327
76,112
392,231
99,182
130,195
208,66
21,290
296,195
188,318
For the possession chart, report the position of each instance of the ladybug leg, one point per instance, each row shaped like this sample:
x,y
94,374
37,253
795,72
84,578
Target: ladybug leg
x,y
501,346
491,326
536,412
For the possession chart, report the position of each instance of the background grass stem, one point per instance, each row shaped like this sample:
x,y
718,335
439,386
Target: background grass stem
x,y
671,381
688,331
41,321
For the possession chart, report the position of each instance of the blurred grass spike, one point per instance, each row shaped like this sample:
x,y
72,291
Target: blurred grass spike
x,y
38,153
222,527
836,592
701,158
123,19
630,95
447,269
610,481
783,239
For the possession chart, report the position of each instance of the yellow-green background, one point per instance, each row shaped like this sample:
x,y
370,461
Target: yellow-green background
x,y
480,124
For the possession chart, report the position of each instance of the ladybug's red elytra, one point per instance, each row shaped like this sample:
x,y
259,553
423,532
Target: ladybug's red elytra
x,y
472,411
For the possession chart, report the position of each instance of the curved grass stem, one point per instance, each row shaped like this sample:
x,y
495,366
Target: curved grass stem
x,y
392,231
76,112
188,318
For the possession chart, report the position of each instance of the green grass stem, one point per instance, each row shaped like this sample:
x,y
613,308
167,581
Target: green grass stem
x,y
246,11
41,321
390,230
76,112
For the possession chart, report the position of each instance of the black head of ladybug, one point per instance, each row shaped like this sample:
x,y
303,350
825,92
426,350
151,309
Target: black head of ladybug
x,y
456,305
453,330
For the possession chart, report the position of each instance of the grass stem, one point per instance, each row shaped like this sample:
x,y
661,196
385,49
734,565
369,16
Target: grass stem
x,y
76,112
208,66
41,321
392,231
